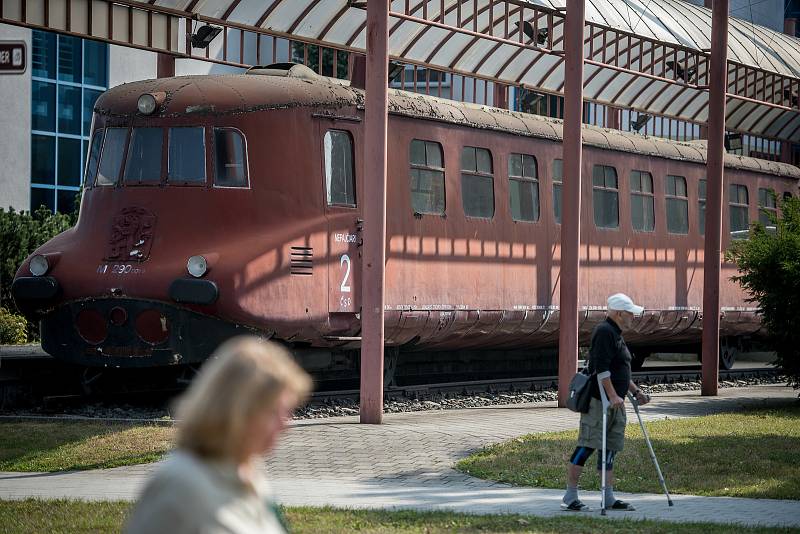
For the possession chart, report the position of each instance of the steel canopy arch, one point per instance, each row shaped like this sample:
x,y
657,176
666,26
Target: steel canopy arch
x,y
663,69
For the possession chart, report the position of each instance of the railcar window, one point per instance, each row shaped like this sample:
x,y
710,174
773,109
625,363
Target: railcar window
x,y
427,177
605,196
523,187
111,156
558,173
339,178
701,204
738,204
643,216
187,156
230,158
143,162
94,157
477,182
767,206
677,205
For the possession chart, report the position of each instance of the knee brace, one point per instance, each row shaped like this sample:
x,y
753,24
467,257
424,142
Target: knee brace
x,y
609,460
580,455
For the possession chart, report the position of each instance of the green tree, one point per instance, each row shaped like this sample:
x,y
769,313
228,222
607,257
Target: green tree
x,y
769,267
21,233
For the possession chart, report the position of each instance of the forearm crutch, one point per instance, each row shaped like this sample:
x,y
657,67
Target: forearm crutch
x,y
650,447
604,399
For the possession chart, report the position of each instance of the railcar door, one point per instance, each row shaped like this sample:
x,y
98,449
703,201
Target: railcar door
x,y
340,148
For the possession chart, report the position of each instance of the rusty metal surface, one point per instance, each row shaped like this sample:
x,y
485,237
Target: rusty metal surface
x,y
451,281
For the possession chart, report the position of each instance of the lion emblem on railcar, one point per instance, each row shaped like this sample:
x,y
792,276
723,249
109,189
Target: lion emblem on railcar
x,y
131,235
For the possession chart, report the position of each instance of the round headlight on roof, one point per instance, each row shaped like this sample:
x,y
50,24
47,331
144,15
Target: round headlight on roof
x,y
147,104
197,266
39,265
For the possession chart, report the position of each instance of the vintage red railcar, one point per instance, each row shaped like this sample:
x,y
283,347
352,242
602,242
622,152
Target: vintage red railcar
x,y
218,205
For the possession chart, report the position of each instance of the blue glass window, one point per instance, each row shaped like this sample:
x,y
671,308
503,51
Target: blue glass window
x,y
43,106
43,58
95,68
69,109
66,200
69,74
69,59
43,159
43,197
69,161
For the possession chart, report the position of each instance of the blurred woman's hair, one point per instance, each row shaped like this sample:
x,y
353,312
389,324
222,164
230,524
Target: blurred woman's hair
x,y
244,377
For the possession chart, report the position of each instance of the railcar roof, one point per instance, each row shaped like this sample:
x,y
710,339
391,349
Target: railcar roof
x,y
235,94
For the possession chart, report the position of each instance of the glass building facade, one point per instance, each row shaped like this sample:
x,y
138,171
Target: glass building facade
x,y
68,74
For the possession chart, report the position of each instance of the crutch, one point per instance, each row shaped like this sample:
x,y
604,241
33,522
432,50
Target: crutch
x,y
650,447
604,399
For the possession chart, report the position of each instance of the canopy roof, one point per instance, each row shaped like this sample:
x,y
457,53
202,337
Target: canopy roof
x,y
651,56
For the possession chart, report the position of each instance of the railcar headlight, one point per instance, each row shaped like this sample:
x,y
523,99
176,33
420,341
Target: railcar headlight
x,y
197,266
146,104
39,265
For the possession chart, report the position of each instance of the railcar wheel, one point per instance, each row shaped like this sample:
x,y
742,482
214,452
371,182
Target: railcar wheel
x,y
390,357
728,351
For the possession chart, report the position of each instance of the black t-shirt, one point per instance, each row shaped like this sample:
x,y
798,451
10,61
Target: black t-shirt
x,y
608,352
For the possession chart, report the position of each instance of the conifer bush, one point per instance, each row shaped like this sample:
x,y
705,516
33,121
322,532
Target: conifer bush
x,y
22,232
769,267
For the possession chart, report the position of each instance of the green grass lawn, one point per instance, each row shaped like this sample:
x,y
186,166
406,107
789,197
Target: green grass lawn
x,y
67,445
750,453
76,517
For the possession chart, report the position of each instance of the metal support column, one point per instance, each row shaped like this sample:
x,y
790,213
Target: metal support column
x,y
374,208
571,199
613,117
716,164
790,27
165,66
500,95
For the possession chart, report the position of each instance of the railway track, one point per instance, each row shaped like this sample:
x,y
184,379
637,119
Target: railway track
x,y
648,377
42,395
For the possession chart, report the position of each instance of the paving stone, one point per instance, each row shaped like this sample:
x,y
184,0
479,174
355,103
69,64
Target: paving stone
x,y
407,463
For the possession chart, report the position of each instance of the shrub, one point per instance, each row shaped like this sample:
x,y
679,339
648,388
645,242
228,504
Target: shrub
x,y
13,327
769,263
21,233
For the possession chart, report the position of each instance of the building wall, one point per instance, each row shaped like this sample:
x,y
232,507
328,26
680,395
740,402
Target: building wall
x,y
129,65
767,13
15,147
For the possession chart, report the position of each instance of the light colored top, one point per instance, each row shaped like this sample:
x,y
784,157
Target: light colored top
x,y
189,495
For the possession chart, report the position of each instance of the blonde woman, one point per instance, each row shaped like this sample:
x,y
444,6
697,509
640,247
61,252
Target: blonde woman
x,y
230,416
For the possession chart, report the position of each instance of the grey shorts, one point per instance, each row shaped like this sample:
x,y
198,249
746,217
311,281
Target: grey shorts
x,y
591,432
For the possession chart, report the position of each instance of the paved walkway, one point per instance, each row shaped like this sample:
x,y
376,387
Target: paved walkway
x,y
407,463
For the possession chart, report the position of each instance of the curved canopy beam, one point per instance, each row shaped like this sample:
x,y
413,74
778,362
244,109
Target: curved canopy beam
x,y
648,55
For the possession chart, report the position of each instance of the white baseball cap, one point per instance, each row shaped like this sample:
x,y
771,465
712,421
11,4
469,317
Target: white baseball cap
x,y
623,302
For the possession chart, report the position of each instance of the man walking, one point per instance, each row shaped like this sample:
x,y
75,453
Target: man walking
x,y
610,359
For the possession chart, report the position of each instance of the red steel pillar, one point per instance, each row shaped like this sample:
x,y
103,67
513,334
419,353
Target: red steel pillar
x,y
165,65
500,95
374,206
613,117
571,199
790,26
716,165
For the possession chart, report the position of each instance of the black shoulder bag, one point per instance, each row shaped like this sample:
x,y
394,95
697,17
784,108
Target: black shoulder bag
x,y
580,391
